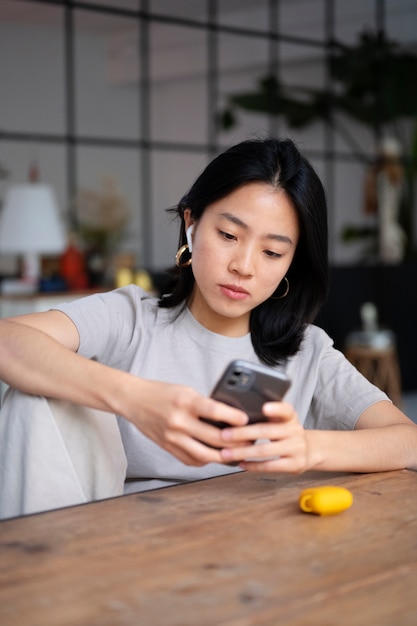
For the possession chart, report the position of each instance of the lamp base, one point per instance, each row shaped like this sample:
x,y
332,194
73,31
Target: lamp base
x,y
29,283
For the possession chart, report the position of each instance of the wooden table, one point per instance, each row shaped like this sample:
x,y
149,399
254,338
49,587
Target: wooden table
x,y
229,551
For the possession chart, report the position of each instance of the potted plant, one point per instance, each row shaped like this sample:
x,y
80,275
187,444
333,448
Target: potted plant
x,y
373,84
102,216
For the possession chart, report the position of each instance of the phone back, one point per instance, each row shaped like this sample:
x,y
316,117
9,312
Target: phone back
x,y
247,386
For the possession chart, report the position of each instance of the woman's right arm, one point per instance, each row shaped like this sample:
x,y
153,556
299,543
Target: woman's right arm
x,y
38,355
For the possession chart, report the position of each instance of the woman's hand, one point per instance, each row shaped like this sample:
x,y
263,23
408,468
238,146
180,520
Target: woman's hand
x,y
169,415
283,445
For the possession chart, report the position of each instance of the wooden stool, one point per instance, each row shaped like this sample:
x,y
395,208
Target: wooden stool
x,y
380,366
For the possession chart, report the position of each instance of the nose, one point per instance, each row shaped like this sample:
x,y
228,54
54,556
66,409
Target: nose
x,y
242,261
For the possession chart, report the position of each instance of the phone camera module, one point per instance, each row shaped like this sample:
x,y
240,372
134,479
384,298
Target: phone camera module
x,y
240,379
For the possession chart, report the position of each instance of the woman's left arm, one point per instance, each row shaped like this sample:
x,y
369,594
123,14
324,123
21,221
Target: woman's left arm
x,y
383,439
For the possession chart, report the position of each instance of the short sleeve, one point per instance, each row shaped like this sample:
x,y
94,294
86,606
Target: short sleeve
x,y
110,324
328,392
342,393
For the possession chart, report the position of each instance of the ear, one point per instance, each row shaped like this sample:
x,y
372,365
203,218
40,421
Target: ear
x,y
188,220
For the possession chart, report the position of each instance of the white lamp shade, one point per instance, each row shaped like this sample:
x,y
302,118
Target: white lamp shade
x,y
30,222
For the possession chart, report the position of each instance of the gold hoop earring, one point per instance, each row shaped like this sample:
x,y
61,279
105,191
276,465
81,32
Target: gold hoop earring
x,y
285,294
179,254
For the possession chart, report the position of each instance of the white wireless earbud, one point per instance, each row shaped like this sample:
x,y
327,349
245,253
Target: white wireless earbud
x,y
188,233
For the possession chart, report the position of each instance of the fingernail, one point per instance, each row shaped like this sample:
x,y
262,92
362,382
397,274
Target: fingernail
x,y
227,454
226,433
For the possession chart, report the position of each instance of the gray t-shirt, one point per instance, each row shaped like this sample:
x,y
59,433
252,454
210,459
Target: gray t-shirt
x,y
127,330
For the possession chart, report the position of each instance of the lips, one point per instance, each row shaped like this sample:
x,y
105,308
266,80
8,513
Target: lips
x,y
234,292
235,288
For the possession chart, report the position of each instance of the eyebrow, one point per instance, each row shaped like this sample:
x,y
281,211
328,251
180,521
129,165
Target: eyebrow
x,y
238,222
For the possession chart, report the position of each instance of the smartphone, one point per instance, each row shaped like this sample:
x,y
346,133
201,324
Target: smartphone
x,y
247,386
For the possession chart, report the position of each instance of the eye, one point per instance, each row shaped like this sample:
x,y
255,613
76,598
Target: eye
x,y
272,255
227,236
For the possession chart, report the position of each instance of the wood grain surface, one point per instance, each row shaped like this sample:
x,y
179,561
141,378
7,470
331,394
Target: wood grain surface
x,y
232,551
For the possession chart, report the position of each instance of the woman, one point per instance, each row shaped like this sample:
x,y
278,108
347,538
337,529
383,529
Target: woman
x,y
255,222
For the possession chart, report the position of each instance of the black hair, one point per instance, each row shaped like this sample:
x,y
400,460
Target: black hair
x,y
277,325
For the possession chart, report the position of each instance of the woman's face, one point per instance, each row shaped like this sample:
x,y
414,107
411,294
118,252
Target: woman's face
x,y
243,246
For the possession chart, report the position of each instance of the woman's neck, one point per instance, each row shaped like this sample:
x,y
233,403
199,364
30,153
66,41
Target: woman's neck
x,y
216,323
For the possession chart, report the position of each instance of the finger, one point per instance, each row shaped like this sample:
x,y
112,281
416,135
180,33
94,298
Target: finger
x,y
192,452
211,435
292,448
284,465
219,412
184,423
242,453
195,442
279,411
253,432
